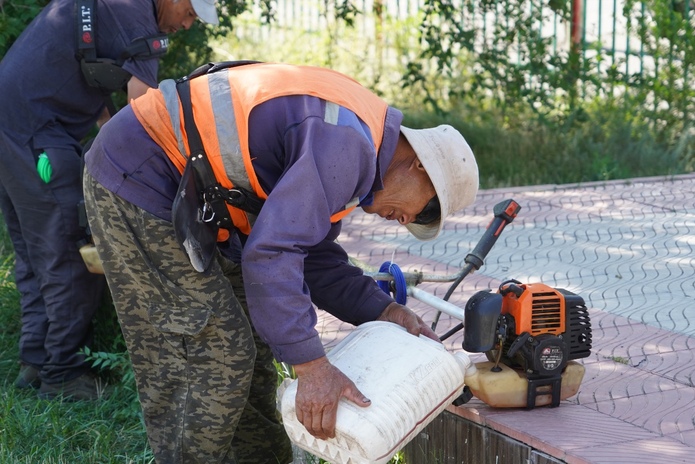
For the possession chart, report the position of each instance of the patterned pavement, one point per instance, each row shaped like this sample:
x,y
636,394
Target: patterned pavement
x,y
626,247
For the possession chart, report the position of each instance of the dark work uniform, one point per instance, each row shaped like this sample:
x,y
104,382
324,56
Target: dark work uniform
x,y
47,106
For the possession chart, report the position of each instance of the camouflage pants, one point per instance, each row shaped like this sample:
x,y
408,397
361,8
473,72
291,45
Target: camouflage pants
x,y
206,382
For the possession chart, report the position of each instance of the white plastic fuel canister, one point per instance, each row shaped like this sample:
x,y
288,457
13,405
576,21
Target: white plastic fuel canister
x,y
409,380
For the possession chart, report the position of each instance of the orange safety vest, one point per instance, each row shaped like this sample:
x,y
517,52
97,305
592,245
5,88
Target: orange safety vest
x,y
223,120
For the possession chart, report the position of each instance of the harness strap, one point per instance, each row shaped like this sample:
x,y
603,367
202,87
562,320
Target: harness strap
x,y
215,197
85,12
105,74
238,197
153,46
212,67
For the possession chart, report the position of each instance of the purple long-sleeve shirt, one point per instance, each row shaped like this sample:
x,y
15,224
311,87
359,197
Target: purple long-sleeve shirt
x,y
310,169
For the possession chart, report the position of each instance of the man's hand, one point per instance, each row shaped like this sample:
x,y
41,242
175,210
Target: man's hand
x,y
320,387
405,317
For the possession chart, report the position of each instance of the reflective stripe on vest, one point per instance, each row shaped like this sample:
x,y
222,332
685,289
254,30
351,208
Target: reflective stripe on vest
x,y
168,132
216,122
223,121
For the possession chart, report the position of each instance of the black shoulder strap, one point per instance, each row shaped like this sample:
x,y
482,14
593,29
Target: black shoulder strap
x,y
209,68
99,75
214,195
85,12
107,75
195,143
154,46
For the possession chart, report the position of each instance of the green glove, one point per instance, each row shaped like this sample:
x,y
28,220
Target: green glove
x,y
43,167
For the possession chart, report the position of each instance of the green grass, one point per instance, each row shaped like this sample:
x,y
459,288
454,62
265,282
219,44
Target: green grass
x,y
605,145
49,432
38,431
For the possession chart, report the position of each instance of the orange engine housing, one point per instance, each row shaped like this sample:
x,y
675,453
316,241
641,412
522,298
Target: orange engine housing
x,y
539,309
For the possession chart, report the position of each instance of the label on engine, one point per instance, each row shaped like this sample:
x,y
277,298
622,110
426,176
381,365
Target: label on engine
x,y
551,357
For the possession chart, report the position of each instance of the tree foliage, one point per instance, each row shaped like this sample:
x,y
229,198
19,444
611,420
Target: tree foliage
x,y
190,49
513,62
15,15
498,52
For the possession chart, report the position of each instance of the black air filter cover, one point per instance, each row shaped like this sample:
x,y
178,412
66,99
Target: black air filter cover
x,y
480,321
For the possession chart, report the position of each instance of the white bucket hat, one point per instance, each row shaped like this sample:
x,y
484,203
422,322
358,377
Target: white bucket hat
x,y
205,9
451,167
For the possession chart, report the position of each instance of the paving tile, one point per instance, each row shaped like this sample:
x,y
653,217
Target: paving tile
x,y
648,451
687,437
637,340
605,319
660,353
678,366
567,427
663,412
669,310
610,380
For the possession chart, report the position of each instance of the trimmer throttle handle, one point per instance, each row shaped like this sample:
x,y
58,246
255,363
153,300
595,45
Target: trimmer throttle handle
x,y
505,212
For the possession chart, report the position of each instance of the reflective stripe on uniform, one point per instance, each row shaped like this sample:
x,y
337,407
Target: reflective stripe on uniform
x,y
171,100
225,125
332,112
227,132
